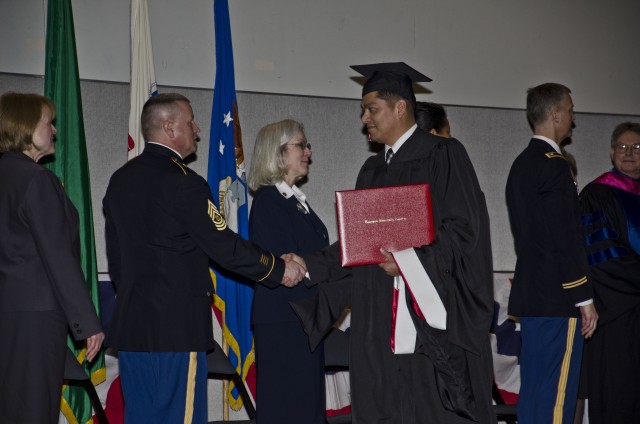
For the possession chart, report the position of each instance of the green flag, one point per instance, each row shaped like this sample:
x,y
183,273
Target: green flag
x,y
62,85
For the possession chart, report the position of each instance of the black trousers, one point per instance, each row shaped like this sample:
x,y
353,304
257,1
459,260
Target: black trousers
x,y
32,357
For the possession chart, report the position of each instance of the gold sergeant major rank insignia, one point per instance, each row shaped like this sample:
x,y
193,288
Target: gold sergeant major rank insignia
x,y
215,216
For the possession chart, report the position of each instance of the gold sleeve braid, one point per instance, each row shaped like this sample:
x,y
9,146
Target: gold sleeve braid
x,y
574,284
264,260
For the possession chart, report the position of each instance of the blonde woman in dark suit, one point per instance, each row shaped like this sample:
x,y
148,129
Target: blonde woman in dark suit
x,y
43,292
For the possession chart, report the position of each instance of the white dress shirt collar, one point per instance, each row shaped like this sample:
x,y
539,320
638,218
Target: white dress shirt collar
x,y
167,147
398,144
286,191
549,141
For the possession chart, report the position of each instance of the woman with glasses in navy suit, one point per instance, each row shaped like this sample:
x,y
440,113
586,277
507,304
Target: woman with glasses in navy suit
x,y
290,377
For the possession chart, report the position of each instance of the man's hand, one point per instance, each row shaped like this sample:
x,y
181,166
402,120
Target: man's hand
x,y
93,345
293,257
389,266
294,270
589,320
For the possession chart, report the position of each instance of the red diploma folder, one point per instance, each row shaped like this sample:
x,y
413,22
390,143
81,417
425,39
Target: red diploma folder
x,y
394,218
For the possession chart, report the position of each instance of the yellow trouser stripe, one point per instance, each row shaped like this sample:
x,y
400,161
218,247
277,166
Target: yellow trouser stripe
x,y
564,371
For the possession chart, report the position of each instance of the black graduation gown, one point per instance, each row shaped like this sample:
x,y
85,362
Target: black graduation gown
x,y
611,223
388,388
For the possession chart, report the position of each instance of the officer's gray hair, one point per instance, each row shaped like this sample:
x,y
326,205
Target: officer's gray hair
x,y
542,99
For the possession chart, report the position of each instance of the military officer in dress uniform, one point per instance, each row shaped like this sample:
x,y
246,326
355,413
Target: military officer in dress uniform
x,y
551,289
162,228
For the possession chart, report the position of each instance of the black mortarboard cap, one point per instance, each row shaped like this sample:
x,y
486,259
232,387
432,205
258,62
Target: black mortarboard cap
x,y
396,77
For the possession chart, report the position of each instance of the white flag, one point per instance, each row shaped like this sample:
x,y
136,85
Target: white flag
x,y
143,76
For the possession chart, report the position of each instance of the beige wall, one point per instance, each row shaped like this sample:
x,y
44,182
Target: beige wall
x,y
479,53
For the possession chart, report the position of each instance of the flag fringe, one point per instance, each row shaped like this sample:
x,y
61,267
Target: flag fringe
x,y
66,410
236,403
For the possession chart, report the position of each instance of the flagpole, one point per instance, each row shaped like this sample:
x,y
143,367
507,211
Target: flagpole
x,y
226,178
143,77
225,382
71,165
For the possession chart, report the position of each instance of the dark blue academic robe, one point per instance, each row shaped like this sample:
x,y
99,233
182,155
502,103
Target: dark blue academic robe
x,y
611,219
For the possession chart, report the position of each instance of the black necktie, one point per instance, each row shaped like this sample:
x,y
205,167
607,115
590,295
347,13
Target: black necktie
x,y
388,156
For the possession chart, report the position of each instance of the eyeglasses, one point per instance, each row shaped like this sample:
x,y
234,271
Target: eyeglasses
x,y
302,145
624,148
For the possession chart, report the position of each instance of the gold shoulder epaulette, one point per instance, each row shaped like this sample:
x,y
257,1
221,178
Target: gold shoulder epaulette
x,y
552,155
180,165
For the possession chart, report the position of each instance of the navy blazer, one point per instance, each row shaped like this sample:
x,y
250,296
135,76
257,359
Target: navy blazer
x,y
40,247
282,225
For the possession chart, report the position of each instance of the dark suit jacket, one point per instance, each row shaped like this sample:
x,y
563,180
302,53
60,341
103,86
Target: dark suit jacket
x,y
282,225
43,292
290,378
161,229
551,269
39,247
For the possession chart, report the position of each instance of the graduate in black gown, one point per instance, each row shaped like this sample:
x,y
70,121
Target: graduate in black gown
x,y
447,377
289,376
611,208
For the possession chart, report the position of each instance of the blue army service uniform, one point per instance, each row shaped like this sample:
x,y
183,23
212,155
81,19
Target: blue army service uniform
x,y
550,279
161,229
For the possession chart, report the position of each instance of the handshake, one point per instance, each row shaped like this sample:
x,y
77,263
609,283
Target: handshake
x,y
295,269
